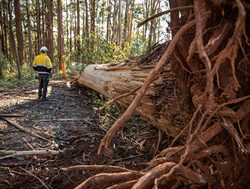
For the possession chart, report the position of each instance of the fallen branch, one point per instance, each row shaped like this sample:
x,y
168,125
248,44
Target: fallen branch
x,y
11,153
101,168
40,180
164,12
24,129
11,115
66,119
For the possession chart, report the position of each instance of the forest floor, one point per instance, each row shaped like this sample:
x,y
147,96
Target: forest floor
x,y
72,122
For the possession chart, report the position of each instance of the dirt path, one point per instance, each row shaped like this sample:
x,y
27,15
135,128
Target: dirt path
x,y
72,125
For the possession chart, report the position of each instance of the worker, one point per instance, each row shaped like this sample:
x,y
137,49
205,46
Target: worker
x,y
43,66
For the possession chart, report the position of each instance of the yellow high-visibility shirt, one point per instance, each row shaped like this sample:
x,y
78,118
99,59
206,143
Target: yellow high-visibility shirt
x,y
42,64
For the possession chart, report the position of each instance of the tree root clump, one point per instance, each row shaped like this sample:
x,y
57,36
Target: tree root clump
x,y
210,56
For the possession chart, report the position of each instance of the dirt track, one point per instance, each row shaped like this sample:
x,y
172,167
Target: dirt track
x,y
72,125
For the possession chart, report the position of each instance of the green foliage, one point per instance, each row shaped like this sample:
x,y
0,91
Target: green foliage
x,y
137,46
9,78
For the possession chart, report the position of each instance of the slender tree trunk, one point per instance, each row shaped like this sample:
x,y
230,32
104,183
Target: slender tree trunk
x,y
1,45
108,21
49,29
29,31
83,23
38,25
174,16
86,18
114,26
5,33
152,32
93,27
19,31
93,16
130,21
78,45
146,13
1,28
120,23
75,27
67,24
12,41
70,30
125,28
43,40
60,39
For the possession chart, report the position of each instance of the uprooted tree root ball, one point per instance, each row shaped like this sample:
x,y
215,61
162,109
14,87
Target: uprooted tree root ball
x,y
209,54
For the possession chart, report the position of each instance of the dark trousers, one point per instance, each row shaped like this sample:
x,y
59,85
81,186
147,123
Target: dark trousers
x,y
43,85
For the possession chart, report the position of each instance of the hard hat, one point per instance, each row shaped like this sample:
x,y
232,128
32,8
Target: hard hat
x,y
44,49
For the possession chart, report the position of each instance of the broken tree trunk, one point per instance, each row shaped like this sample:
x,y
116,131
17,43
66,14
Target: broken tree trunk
x,y
121,83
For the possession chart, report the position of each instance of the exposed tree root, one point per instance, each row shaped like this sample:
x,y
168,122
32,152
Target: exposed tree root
x,y
99,168
104,180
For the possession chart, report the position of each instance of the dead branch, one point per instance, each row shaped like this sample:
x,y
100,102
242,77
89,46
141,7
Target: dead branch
x,y
24,129
40,180
11,153
99,168
164,12
11,115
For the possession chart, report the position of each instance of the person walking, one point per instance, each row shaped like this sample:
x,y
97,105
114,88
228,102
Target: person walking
x,y
43,66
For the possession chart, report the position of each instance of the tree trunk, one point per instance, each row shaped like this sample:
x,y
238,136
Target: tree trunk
x,y
78,46
86,18
43,34
49,29
60,39
12,41
29,32
108,21
70,29
38,25
115,80
3,33
130,22
93,15
19,31
126,17
114,23
120,23
1,52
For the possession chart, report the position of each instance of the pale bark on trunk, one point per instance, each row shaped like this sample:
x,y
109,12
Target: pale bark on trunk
x,y
115,80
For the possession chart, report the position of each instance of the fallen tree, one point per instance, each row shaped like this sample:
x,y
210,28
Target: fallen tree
x,y
208,59
122,81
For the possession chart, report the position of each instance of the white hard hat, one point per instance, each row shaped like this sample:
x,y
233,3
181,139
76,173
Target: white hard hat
x,y
44,49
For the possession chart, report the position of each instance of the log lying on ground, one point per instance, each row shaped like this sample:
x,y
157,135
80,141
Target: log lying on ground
x,y
124,79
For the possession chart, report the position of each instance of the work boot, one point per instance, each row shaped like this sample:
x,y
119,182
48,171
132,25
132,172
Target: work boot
x,y
44,99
